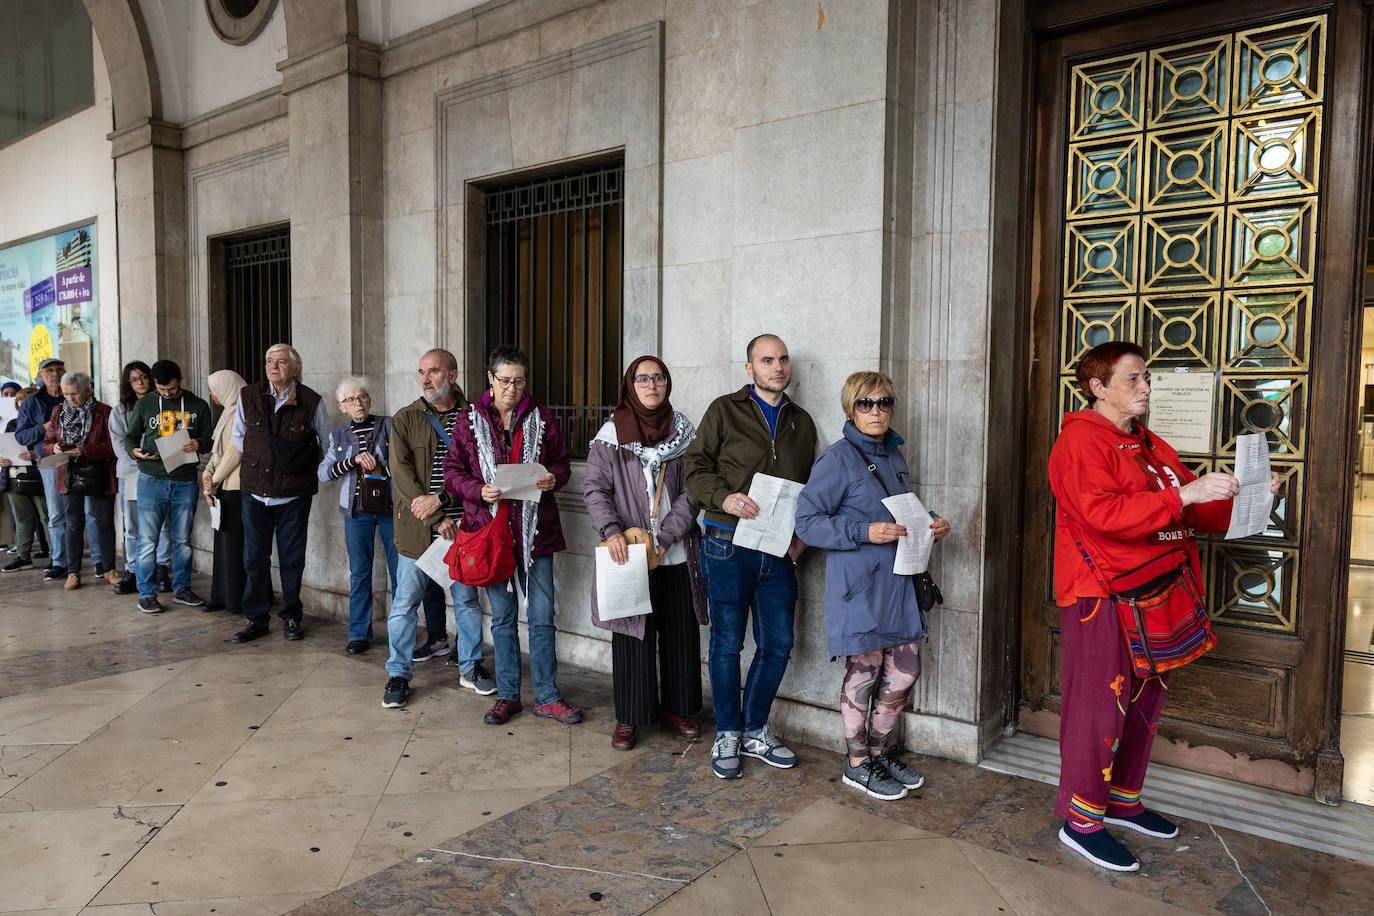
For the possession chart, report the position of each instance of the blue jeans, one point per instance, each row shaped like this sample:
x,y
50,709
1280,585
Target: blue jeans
x,y
360,532
290,523
171,503
505,634
738,581
403,618
57,526
128,502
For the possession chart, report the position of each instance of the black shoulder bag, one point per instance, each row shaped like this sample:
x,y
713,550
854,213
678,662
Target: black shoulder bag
x,y
927,592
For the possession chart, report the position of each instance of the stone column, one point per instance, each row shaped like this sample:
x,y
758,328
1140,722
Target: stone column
x,y
150,211
334,105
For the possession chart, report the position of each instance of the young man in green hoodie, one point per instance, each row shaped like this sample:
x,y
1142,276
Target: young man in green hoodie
x,y
163,493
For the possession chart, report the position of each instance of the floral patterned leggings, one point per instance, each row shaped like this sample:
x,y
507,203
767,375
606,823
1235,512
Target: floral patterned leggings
x,y
893,672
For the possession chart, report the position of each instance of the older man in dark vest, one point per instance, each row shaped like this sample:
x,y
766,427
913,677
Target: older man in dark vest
x,y
279,427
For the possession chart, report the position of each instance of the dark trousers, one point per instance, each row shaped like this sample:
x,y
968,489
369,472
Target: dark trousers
x,y
672,634
226,586
289,522
436,612
102,510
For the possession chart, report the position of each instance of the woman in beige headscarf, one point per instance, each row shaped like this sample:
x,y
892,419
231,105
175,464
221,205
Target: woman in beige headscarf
x,y
221,485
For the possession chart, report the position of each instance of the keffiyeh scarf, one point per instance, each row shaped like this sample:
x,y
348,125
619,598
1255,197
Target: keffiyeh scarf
x,y
76,421
532,436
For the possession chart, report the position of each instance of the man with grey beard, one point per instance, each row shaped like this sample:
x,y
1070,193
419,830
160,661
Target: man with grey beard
x,y
420,437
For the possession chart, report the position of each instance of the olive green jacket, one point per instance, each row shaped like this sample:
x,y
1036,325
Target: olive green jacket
x,y
413,443
733,444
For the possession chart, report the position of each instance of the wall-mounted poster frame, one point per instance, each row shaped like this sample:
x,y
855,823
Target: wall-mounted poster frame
x,y
48,303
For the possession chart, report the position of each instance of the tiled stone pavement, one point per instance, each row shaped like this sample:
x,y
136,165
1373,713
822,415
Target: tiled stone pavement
x,y
149,765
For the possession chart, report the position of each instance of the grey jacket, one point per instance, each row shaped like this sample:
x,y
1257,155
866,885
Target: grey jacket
x,y
617,498
342,447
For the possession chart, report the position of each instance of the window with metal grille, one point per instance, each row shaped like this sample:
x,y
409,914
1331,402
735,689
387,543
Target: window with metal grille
x,y
553,287
257,298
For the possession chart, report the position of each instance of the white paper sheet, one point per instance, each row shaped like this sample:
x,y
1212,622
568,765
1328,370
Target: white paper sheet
x,y
1252,505
169,447
52,461
913,548
517,481
9,410
214,514
622,591
771,531
432,564
10,448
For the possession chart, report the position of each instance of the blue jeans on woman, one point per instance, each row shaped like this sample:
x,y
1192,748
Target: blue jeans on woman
x,y
740,581
360,537
128,501
505,634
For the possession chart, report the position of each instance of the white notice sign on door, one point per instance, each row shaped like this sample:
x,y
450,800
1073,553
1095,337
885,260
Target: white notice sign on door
x,y
1181,410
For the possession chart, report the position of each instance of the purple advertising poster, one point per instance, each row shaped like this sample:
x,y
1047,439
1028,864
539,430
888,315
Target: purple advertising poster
x,y
74,286
39,296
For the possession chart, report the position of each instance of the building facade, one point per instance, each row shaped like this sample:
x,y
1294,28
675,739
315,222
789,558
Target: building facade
x,y
964,195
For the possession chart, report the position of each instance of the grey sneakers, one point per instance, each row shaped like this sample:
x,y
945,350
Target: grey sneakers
x,y
900,771
478,680
725,755
761,745
872,778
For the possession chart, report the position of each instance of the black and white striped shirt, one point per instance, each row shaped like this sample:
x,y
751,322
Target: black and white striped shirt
x,y
453,508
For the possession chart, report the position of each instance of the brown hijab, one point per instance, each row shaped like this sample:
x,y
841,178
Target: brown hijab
x,y
633,421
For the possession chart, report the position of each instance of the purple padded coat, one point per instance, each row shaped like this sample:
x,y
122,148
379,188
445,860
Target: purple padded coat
x,y
617,498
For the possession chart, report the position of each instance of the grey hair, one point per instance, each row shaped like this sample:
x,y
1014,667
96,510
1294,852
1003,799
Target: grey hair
x,y
349,383
79,380
290,351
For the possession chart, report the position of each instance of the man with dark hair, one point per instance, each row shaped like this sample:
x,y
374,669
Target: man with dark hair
x,y
421,434
755,430
280,428
166,496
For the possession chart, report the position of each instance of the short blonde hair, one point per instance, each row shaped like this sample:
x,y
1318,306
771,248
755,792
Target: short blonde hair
x,y
860,383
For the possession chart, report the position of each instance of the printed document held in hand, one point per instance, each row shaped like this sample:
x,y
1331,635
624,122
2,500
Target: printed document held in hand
x,y
519,481
432,563
10,448
622,591
169,448
771,531
214,515
913,548
1251,507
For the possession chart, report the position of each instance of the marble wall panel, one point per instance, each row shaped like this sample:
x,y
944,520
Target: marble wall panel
x,y
970,167
321,185
643,232
696,304
808,285
613,101
320,259
539,113
477,142
697,24
815,175
965,319
408,174
137,211
315,110
408,101
410,254
639,321
791,67
976,50
957,696
470,64
594,22
697,209
701,102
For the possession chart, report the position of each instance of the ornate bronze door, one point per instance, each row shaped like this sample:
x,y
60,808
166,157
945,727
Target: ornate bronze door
x,y
1193,198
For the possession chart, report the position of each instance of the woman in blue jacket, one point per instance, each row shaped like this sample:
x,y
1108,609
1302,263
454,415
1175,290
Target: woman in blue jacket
x,y
871,615
359,448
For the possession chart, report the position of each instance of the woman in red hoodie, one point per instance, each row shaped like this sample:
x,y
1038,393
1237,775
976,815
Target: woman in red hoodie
x,y
1126,495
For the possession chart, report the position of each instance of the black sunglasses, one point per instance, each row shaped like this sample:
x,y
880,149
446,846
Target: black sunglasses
x,y
866,405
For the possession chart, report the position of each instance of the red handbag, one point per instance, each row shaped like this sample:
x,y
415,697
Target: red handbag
x,y
487,555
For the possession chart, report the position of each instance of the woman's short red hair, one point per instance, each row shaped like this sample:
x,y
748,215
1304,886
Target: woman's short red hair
x,y
1100,362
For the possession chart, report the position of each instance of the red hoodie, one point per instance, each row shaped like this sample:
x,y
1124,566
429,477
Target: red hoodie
x,y
1122,490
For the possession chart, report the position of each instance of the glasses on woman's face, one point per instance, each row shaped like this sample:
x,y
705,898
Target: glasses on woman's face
x,y
657,380
509,382
866,405
139,379
363,398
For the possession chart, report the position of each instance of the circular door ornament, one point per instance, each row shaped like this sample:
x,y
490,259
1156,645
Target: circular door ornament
x,y
238,22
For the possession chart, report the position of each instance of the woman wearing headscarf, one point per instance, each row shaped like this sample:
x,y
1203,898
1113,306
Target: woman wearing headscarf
x,y
80,429
635,479
220,484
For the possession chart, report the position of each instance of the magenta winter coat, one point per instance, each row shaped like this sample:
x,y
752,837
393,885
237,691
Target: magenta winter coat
x,y
463,471
617,498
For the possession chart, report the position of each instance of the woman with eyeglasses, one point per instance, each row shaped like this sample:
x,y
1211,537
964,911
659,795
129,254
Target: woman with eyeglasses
x,y
872,619
358,450
135,381
79,428
635,479
507,426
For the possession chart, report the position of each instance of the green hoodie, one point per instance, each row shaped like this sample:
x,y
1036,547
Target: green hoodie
x,y
154,416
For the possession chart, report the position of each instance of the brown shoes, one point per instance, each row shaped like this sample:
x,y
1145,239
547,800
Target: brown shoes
x,y
623,738
112,577
73,581
684,727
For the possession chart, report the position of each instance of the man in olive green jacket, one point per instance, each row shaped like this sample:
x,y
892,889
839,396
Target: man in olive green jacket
x,y
420,436
755,430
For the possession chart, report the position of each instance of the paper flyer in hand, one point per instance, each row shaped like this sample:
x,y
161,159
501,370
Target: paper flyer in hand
x,y
913,548
1252,505
519,481
432,564
169,448
622,591
771,531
